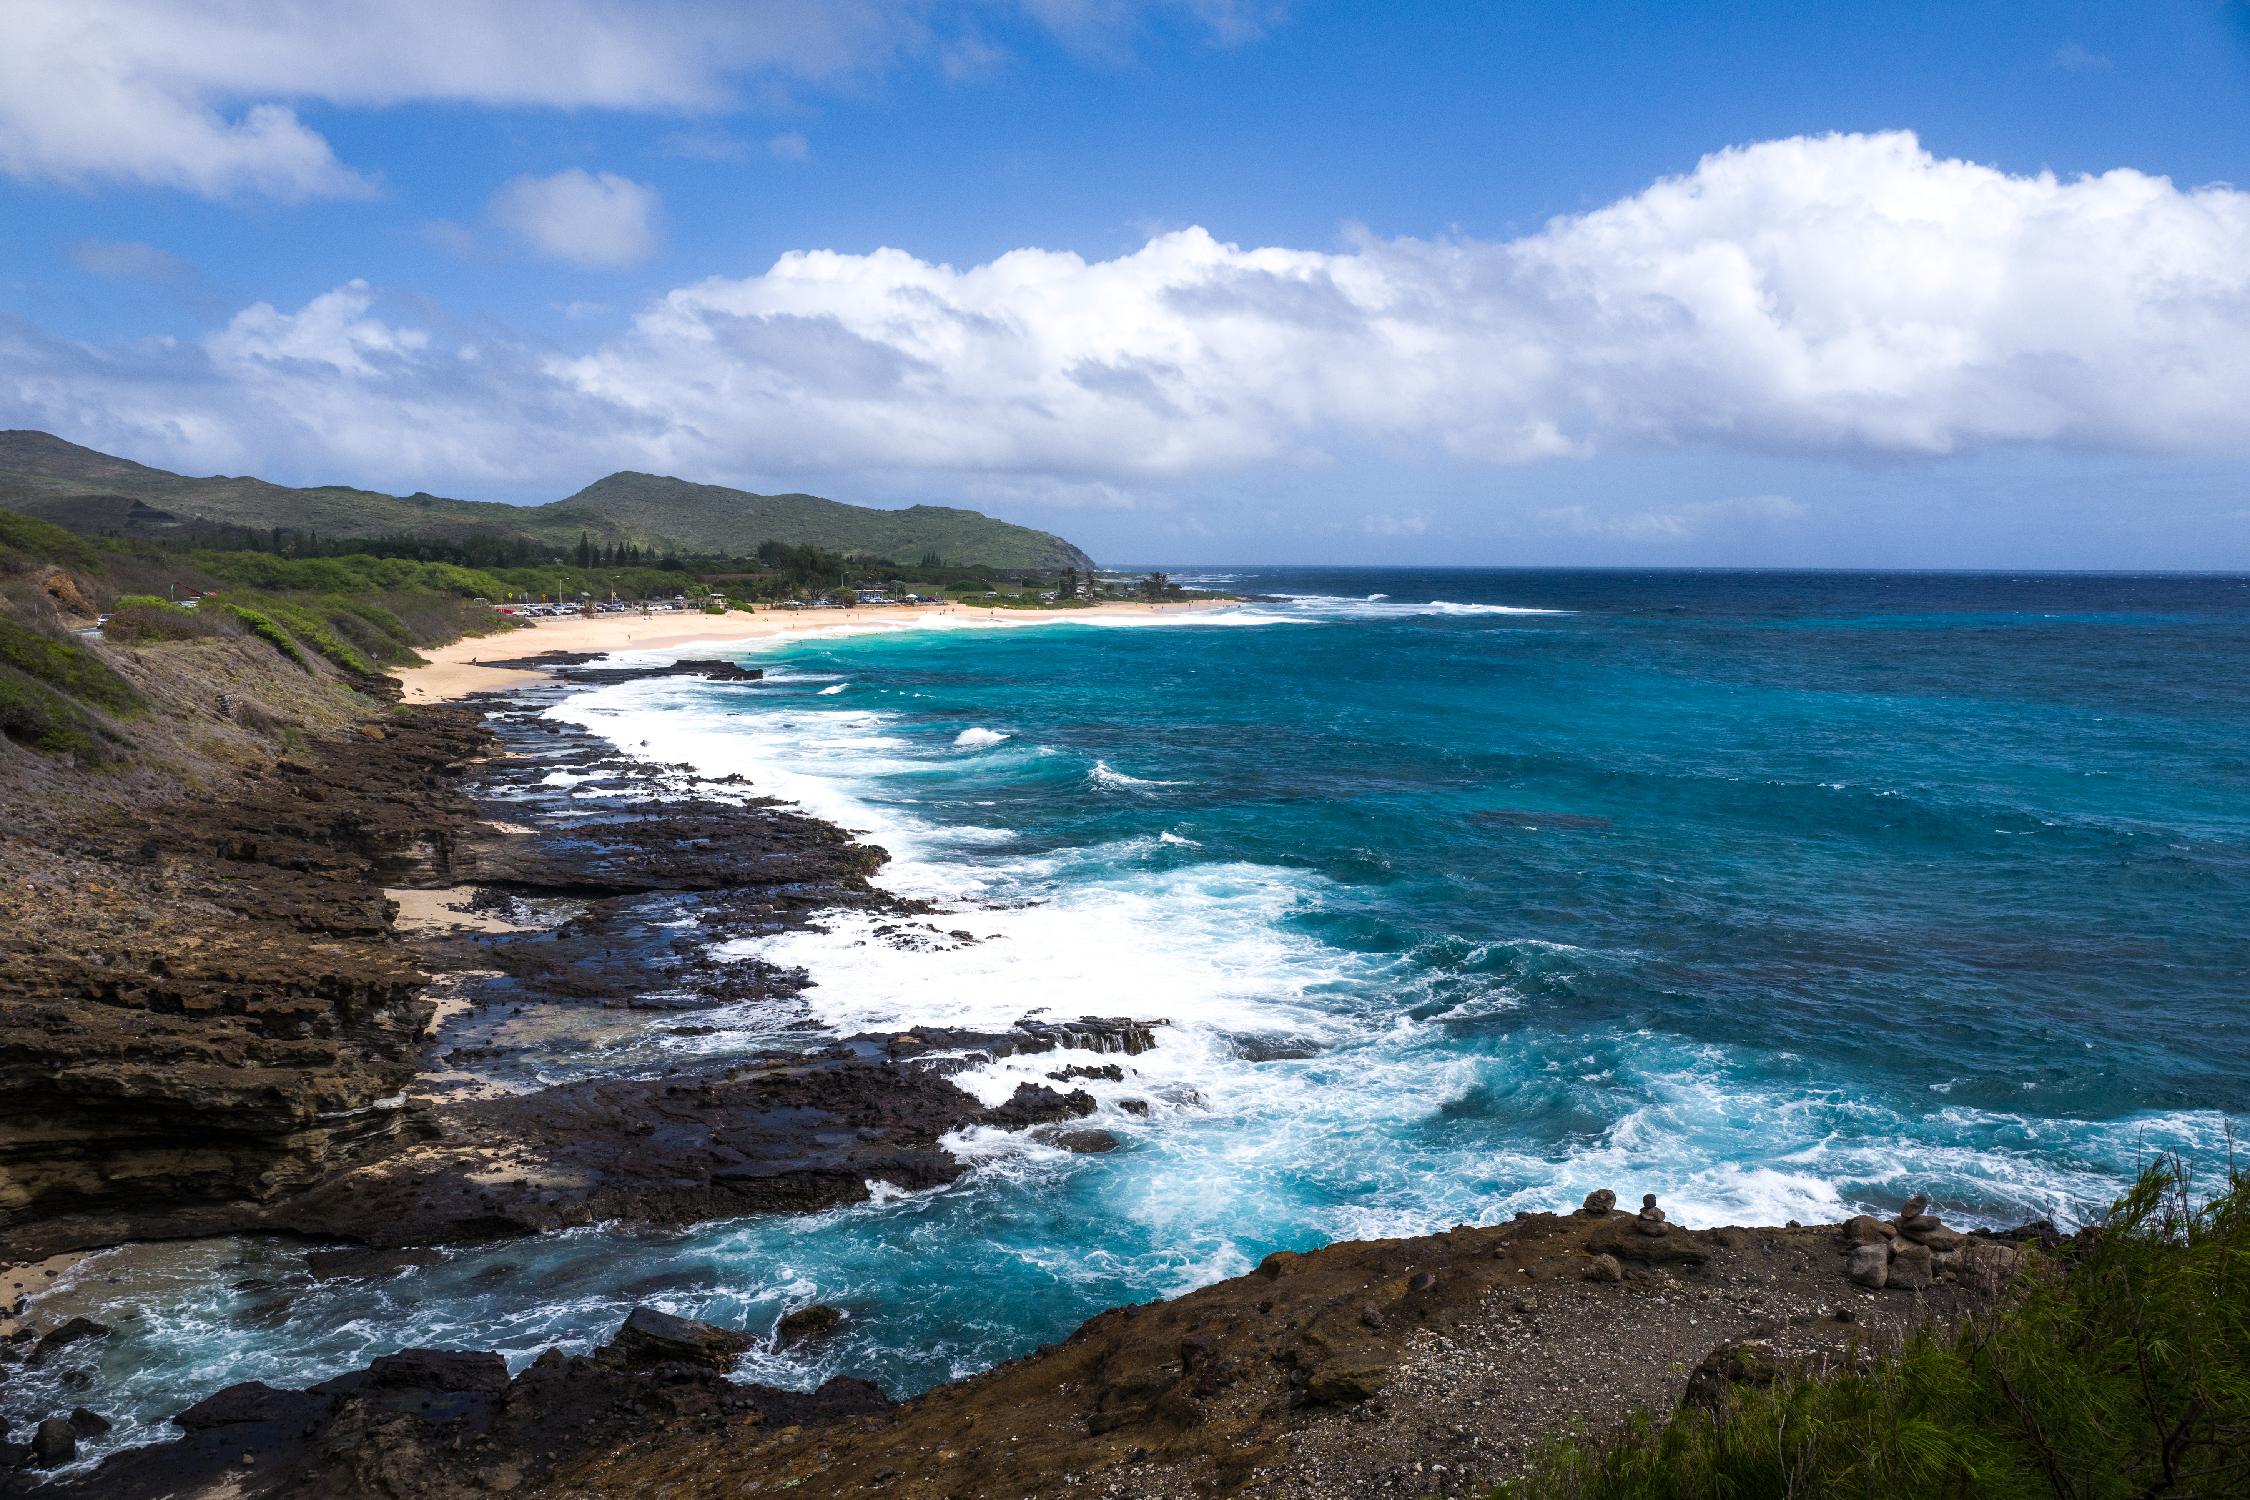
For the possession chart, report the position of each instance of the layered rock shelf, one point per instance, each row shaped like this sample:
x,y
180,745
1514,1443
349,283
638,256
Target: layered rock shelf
x,y
1414,1367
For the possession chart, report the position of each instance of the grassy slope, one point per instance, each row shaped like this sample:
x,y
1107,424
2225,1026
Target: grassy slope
x,y
45,476
61,695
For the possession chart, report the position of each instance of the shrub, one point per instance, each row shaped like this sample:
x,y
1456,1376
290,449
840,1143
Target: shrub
x,y
65,666
310,629
263,627
2121,1370
143,617
35,715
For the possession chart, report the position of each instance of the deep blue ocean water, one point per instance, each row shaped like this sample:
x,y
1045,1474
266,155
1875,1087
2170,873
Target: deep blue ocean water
x,y
1779,895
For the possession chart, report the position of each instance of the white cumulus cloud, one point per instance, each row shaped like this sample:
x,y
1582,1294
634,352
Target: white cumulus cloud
x,y
584,218
1847,294
203,95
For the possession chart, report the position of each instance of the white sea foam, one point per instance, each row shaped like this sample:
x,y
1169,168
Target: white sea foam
x,y
1110,779
1218,616
979,738
1382,606
1216,949
832,691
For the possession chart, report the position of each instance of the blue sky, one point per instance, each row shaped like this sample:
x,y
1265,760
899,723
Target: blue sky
x,y
1201,280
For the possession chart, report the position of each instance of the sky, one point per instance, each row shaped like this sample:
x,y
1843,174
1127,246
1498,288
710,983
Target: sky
x,y
1191,281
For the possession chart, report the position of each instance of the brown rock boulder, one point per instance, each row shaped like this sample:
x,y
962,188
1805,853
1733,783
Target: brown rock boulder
x,y
1912,1268
808,1325
1870,1265
649,1337
1865,1229
1344,1382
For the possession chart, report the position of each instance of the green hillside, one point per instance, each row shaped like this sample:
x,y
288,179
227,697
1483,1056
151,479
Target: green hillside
x,y
710,518
44,476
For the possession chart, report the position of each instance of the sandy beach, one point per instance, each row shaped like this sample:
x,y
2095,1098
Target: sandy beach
x,y
463,667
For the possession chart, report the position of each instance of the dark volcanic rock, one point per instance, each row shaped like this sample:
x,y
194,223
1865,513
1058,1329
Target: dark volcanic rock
x,y
650,1337
677,846
1036,1104
211,1010
708,668
1087,1142
779,1135
953,1050
580,666
55,1442
808,1325
75,1331
1108,1072
443,1424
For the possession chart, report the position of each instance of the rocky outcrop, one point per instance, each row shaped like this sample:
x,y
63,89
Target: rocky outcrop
x,y
1417,1367
778,1135
588,667
229,1034
205,1006
439,1424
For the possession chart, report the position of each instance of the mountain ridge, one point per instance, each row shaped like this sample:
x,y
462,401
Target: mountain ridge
x,y
56,480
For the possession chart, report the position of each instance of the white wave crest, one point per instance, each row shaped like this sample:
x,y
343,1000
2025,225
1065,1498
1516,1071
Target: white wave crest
x,y
1110,779
978,738
830,692
1382,607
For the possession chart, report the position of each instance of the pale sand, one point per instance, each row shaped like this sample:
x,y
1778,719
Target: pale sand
x,y
30,1281
445,910
457,670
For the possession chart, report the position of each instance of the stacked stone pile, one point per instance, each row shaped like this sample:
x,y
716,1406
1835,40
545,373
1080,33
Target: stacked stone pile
x,y
1915,1250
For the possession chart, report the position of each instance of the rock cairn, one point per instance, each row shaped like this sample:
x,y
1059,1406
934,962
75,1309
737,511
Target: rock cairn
x,y
1650,1220
1915,1250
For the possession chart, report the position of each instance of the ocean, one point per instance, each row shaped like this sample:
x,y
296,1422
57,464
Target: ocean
x,y
1459,892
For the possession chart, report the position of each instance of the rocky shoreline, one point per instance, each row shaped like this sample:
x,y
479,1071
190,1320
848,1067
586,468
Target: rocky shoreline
x,y
218,1026
1429,1366
224,1024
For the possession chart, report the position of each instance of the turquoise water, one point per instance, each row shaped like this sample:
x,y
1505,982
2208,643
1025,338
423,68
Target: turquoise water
x,y
1462,892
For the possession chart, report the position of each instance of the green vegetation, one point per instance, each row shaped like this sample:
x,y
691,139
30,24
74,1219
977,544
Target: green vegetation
x,y
266,629
640,516
26,537
354,581
65,666
713,519
2119,1369
141,618
45,685
32,715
